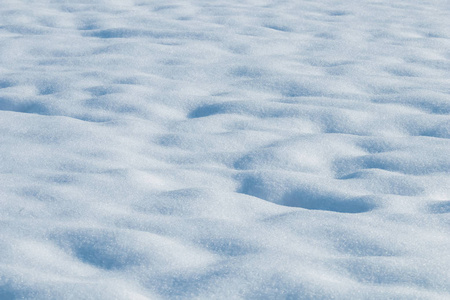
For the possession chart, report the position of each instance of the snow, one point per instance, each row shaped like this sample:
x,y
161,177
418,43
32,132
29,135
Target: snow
x,y
224,149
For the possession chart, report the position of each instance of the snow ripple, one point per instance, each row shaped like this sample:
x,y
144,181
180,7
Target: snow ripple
x,y
225,149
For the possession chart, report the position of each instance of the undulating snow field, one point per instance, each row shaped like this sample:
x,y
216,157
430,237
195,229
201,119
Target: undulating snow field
x,y
247,149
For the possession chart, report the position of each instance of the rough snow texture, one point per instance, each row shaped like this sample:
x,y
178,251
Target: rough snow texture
x,y
225,149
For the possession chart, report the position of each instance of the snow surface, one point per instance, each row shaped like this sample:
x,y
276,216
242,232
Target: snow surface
x,y
225,149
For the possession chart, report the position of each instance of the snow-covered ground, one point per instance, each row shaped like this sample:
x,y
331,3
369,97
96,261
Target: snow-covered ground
x,y
233,149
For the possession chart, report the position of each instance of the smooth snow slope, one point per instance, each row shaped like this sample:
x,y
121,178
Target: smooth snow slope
x,y
225,149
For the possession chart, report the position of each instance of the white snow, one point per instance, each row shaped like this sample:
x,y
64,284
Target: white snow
x,y
224,149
